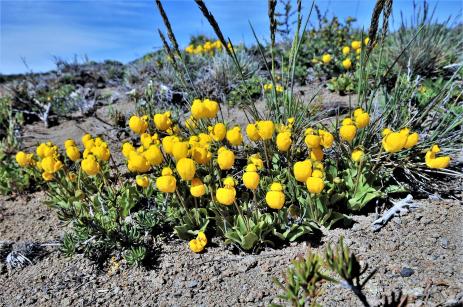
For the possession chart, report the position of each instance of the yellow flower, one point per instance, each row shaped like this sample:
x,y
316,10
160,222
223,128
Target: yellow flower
x,y
186,168
73,153
197,188
386,131
315,185
137,124
153,155
279,88
347,121
326,58
284,141
189,49
69,143
197,109
347,64
51,165
345,50
234,136
146,140
302,170
211,107
358,51
168,143
166,182
312,141
225,158
47,176
46,150
275,198
257,161
436,163
357,112
251,177
347,132
180,150
196,246
226,195
252,132
268,86
357,155
138,163
412,140
201,237
362,119
218,132
85,138
142,181
316,154
127,148
90,166
366,40
394,142
326,138
101,153
24,159
356,45
201,155
265,129
41,150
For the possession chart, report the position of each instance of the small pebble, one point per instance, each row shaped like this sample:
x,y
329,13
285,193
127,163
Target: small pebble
x,y
406,272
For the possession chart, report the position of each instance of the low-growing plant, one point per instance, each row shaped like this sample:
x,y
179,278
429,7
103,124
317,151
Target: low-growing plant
x,y
424,46
278,178
252,87
305,278
342,84
13,179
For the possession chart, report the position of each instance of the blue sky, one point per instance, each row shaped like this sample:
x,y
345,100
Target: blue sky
x,y
37,30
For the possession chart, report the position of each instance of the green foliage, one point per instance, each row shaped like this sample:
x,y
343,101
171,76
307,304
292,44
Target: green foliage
x,y
105,218
434,44
239,95
327,38
13,179
250,232
303,280
304,277
342,84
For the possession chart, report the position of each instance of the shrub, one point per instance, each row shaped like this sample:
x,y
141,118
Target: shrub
x,y
13,179
434,44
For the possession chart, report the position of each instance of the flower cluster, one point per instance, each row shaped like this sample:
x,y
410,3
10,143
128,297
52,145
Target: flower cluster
x,y
207,48
348,52
269,87
210,170
396,141
96,152
310,172
48,160
349,126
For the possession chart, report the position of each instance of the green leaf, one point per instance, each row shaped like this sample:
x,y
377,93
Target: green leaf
x,y
249,241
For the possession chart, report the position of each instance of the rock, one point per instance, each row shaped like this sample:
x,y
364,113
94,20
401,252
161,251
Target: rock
x,y
417,292
444,242
406,272
192,284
